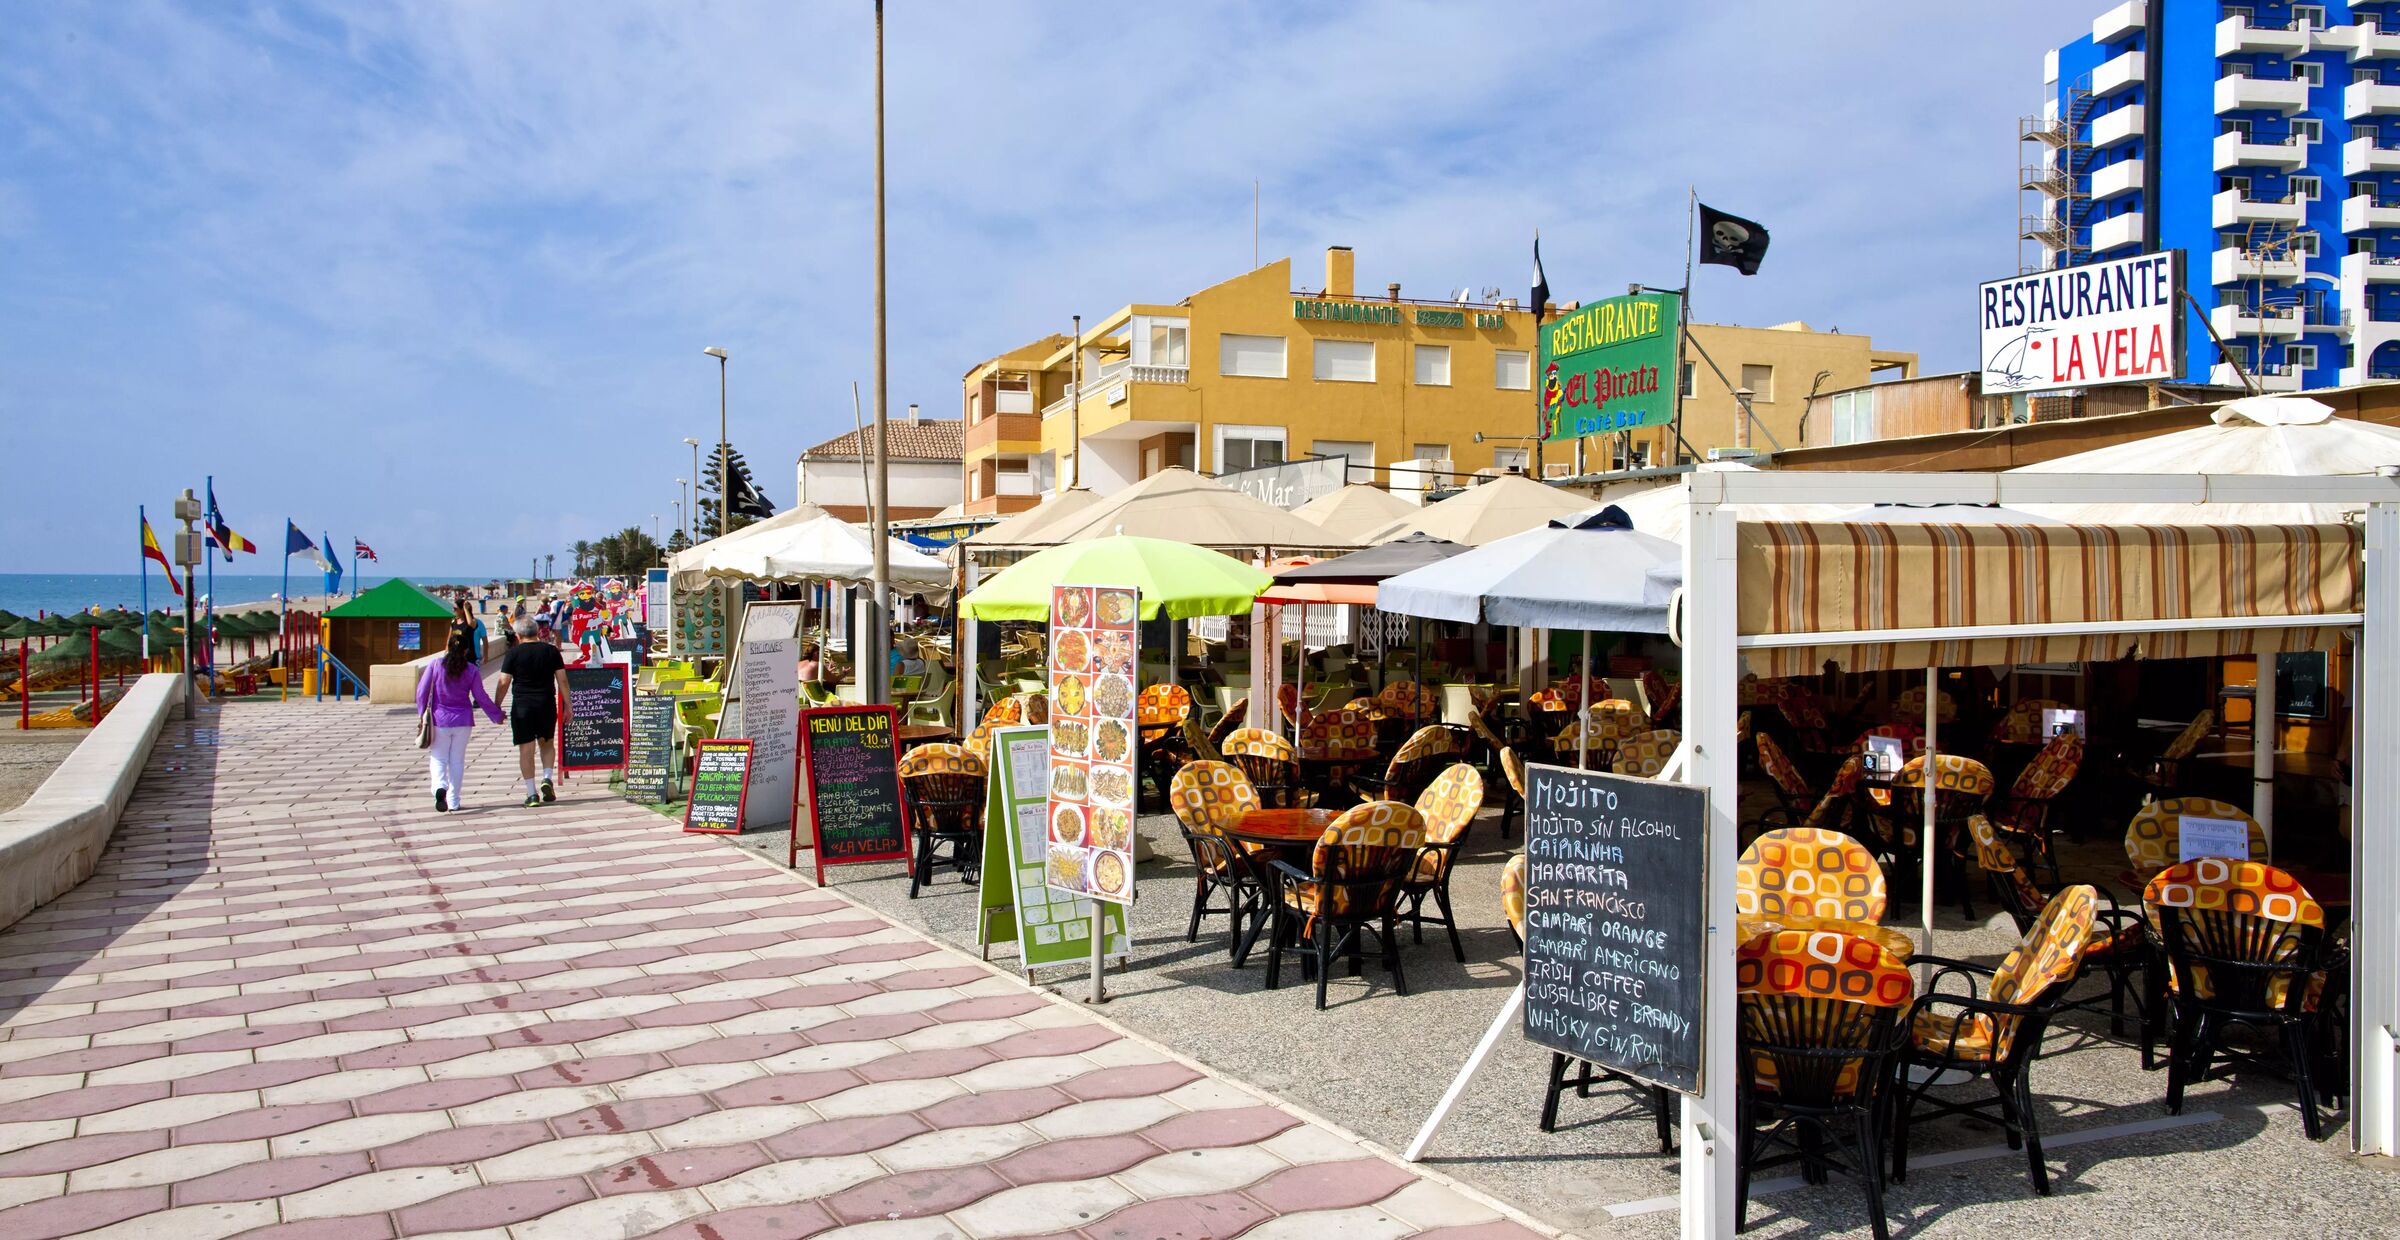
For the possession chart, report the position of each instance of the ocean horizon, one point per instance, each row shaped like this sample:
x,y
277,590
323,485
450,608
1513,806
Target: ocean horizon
x,y
29,594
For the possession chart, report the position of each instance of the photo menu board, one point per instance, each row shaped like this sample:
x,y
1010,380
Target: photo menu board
x,y
1050,926
1094,640
1615,921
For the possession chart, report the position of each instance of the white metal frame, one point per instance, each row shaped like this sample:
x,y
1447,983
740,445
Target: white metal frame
x,y
1712,651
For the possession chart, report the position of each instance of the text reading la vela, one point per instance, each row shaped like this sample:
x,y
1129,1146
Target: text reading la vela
x,y
2092,323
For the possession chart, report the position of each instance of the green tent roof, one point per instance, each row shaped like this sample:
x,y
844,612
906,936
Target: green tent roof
x,y
393,600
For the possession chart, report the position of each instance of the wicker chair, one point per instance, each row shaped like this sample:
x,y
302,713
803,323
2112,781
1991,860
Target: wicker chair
x,y
2244,945
944,787
2163,775
1209,797
1412,768
2119,945
1270,762
1350,889
1794,798
2025,811
1512,769
1447,808
1645,754
1235,718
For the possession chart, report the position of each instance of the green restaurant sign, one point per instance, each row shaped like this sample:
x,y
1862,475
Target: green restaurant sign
x,y
1605,366
1386,314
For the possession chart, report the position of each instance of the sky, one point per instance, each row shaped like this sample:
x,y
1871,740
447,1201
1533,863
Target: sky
x,y
437,275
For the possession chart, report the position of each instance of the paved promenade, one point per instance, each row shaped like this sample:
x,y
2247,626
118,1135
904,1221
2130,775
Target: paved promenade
x,y
295,1002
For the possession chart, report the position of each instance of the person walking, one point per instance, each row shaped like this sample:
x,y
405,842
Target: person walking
x,y
533,676
450,691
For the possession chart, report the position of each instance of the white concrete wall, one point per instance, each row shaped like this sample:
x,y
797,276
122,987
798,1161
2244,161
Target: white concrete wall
x,y
52,841
915,484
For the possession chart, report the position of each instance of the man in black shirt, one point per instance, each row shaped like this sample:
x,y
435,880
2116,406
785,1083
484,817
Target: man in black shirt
x,y
538,676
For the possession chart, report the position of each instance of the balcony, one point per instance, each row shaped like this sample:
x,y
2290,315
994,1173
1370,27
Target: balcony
x,y
2124,177
2233,264
2044,178
2364,40
2364,211
1107,383
2235,207
2237,35
2120,21
2361,270
2243,151
2364,99
2256,321
2113,128
2117,74
2260,94
2117,232
2277,378
2364,154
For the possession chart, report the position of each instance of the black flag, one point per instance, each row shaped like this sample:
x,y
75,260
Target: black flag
x,y
1731,241
1541,283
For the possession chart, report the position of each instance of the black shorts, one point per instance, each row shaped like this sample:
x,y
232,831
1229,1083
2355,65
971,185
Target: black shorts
x,y
527,724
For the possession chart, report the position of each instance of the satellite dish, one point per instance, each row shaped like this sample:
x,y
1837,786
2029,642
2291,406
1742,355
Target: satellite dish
x,y
1464,296
1492,293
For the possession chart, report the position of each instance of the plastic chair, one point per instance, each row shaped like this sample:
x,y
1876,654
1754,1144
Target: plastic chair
x,y
1352,886
944,785
2244,946
1447,808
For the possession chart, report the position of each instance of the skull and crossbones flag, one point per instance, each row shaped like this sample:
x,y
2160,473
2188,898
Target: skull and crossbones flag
x,y
1731,241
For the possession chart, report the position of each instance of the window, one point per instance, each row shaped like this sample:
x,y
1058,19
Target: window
x,y
1760,380
1433,365
1248,447
1854,416
2300,356
2308,16
2240,127
2234,183
2308,129
1430,452
2304,244
1361,454
2309,72
1512,370
1690,380
1345,361
1167,343
2306,189
1509,458
2367,75
1256,357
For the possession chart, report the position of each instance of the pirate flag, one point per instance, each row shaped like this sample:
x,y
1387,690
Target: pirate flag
x,y
1731,241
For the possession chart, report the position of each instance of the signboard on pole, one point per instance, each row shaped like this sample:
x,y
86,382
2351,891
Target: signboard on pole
x,y
1615,921
1050,926
855,809
720,783
1609,365
2112,322
1093,738
593,734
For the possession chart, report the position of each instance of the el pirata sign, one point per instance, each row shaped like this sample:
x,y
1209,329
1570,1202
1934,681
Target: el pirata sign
x,y
597,727
720,784
851,766
1615,927
1605,365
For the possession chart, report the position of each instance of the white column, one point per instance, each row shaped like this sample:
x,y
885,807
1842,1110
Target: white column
x,y
2265,725
2375,868
962,654
1925,845
1711,668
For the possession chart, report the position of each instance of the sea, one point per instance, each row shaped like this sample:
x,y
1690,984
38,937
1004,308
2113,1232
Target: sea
x,y
29,594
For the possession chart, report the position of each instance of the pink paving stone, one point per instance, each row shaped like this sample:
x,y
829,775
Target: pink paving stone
x,y
260,1123
823,994
679,1014
414,1054
1062,1040
80,1026
379,988
521,971
915,1194
849,929
75,1153
249,1038
434,1095
255,1076
930,979
1130,1081
1330,1186
790,1222
1212,1129
493,1205
273,1178
792,1087
368,1227
596,1071
656,1173
1214,1216
561,1032
1075,1158
244,1005
988,1007
846,1136
89,1059
625,956
923,1065
867,952
79,1212
1497,1229
113,990
1006,1106
870,1028
73,1103
632,1115
737,1049
462,1145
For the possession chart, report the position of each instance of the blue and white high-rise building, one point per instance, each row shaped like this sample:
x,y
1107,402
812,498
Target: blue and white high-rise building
x,y
2263,140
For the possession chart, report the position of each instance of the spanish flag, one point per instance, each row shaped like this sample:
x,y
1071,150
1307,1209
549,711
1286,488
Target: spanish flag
x,y
151,551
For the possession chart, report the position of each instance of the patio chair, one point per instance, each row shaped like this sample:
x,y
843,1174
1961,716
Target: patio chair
x,y
1813,875
1235,718
2025,811
1270,763
2244,946
1996,1035
1447,808
944,795
1794,798
1910,708
1410,701
1160,711
1512,897
2163,775
2154,839
1208,797
1412,768
1512,769
2022,725
1819,1026
1961,786
1663,702
1645,754
2119,945
1350,889
939,707
1488,743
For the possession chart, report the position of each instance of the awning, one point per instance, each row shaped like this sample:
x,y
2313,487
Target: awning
x,y
1864,594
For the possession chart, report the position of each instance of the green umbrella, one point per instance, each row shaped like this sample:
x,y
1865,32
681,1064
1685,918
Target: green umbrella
x,y
123,642
1176,579
20,628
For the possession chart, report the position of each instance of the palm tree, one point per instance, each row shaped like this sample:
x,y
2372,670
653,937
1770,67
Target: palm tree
x,y
549,567
583,555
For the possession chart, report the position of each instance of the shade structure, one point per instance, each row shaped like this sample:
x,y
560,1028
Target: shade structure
x,y
1310,593
393,599
1373,565
1025,529
1181,505
19,629
1660,510
1945,514
1490,511
1176,579
2280,436
805,543
1356,511
1597,575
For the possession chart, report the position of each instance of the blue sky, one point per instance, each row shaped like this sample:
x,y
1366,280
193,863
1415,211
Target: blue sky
x,y
439,274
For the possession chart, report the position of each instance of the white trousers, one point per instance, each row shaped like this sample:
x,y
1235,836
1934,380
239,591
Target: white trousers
x,y
449,760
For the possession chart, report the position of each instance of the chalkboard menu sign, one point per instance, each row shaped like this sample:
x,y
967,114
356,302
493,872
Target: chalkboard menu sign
x,y
720,783
650,758
1615,921
2300,684
852,770
593,733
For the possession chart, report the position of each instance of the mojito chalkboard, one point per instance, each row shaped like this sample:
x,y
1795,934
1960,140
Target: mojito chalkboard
x,y
2300,684
720,783
651,756
1616,879
852,770
592,736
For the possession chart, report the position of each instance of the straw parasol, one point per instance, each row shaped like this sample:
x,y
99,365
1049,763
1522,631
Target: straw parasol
x,y
1027,528
1492,510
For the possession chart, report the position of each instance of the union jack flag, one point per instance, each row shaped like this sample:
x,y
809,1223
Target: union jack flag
x,y
362,551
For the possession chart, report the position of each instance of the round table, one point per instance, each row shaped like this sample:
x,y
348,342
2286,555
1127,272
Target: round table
x,y
911,735
1283,828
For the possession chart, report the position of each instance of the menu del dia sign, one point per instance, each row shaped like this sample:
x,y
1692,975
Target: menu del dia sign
x,y
1609,365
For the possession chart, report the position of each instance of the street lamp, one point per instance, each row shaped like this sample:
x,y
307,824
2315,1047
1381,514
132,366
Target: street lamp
x,y
692,531
679,528
654,539
684,495
724,453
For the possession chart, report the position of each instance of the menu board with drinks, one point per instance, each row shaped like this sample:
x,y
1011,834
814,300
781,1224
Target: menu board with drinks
x,y
720,783
1094,633
594,733
852,769
650,758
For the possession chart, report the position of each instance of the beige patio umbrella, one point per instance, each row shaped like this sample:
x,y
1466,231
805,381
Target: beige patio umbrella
x,y
1660,510
1493,510
1180,505
2281,436
1025,529
1356,511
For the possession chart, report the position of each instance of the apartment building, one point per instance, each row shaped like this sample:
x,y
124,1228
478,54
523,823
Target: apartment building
x,y
921,458
2263,140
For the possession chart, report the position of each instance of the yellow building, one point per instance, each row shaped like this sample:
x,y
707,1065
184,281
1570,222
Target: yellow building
x,y
1254,372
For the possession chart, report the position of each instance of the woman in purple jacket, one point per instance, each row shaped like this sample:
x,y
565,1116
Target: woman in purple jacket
x,y
451,690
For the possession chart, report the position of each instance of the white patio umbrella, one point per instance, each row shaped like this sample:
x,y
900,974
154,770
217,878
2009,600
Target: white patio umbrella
x,y
806,543
2278,436
1660,510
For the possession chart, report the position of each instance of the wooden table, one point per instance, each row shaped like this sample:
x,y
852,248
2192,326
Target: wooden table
x,y
1283,828
911,735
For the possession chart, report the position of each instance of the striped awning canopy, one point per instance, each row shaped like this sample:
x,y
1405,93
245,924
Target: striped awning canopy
x,y
1872,596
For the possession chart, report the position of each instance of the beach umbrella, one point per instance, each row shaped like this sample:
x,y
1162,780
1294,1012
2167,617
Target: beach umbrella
x,y
1372,565
20,628
2277,436
1597,574
1488,511
1356,511
8,617
1028,528
122,642
1179,505
1176,580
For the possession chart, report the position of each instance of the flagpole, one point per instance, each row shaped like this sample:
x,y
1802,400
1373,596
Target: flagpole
x,y
209,613
283,615
1533,362
142,513
1683,301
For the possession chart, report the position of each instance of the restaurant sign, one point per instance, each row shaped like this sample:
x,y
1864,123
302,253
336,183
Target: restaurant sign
x,y
2112,322
1604,366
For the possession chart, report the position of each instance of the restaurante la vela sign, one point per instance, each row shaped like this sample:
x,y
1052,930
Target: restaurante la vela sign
x,y
2112,322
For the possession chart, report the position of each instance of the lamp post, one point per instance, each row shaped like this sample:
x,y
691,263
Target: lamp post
x,y
654,538
874,671
692,531
724,453
679,515
683,496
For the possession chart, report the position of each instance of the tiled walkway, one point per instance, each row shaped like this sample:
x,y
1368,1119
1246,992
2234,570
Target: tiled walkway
x,y
295,1002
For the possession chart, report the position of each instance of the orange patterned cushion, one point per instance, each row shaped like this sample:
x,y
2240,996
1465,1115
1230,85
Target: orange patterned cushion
x,y
1512,893
1646,754
1259,743
2154,839
1809,873
941,760
1448,804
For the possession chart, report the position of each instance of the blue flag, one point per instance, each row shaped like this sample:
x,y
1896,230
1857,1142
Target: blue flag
x,y
332,567
295,542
